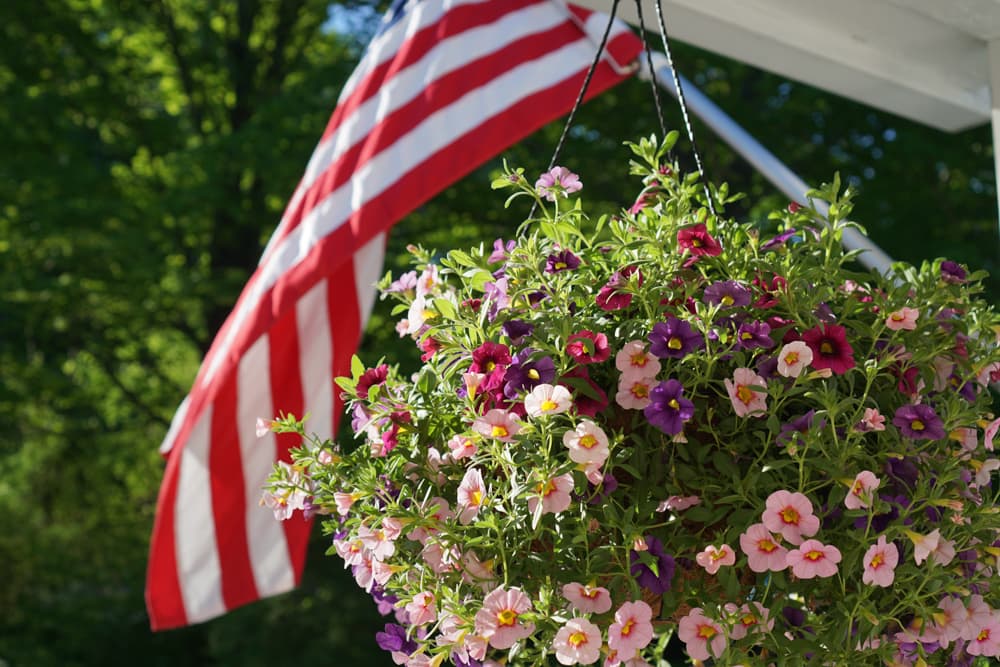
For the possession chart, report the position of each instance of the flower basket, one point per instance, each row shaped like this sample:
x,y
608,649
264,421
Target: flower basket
x,y
665,423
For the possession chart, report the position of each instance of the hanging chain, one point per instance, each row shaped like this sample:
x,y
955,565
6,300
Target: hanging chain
x,y
652,72
684,111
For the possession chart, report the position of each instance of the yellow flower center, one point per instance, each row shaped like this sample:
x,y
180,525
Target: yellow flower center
x,y
696,243
639,359
588,441
500,431
577,638
896,317
548,405
745,394
490,365
790,516
877,560
590,593
476,497
706,631
814,555
746,335
825,348
533,374
766,545
983,635
560,265
747,620
640,390
507,618
627,628
726,300
675,343
792,358
917,425
674,404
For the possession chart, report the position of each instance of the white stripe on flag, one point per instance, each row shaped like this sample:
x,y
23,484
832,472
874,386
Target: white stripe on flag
x,y
272,568
367,271
383,170
316,359
197,559
175,425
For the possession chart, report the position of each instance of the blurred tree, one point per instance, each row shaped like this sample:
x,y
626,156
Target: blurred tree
x,y
149,149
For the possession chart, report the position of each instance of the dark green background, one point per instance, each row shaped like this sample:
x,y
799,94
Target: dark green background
x,y
148,148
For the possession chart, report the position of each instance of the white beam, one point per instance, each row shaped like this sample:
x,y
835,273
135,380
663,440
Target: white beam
x,y
994,61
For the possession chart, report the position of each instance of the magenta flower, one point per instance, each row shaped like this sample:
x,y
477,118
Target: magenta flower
x,y
611,296
830,348
880,563
586,347
952,272
490,359
668,409
370,378
814,559
557,181
697,241
728,294
674,339
919,422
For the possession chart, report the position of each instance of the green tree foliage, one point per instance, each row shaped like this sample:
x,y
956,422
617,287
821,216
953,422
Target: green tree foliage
x,y
148,149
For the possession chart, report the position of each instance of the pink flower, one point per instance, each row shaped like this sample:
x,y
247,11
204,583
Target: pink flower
x,y
547,399
746,401
462,447
904,318
633,391
497,424
880,563
422,609
697,241
498,620
577,643
747,619
678,503
704,637
262,427
933,545
471,496
712,559
345,501
794,358
763,551
587,443
872,421
987,640
990,433
790,514
554,495
814,559
378,544
587,599
634,360
587,347
862,490
632,629
557,181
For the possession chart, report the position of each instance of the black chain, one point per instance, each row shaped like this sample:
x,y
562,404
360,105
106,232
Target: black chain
x,y
684,111
652,72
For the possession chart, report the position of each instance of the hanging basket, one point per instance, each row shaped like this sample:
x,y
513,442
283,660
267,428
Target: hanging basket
x,y
663,422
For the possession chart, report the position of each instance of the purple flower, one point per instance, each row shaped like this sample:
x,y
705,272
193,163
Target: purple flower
x,y
799,425
561,261
384,602
500,250
668,409
778,240
767,366
655,581
405,283
523,374
674,339
752,335
903,472
919,422
728,294
496,294
952,272
825,314
557,181
517,330
394,640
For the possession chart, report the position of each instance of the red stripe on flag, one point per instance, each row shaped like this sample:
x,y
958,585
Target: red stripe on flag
x,y
228,499
164,600
286,390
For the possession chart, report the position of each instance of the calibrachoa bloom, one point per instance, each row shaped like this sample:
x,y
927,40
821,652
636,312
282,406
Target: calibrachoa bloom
x,y
674,339
577,643
814,559
830,348
940,550
587,599
862,490
546,399
657,581
564,260
634,392
764,551
790,514
497,424
553,494
634,360
880,563
587,347
587,443
703,637
747,393
712,558
919,422
499,619
728,294
904,318
794,358
558,181
471,495
668,409
697,241
632,629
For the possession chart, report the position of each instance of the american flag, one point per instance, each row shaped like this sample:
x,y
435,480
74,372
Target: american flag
x,y
443,86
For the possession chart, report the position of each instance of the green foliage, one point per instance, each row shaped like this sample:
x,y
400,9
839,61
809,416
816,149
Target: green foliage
x,y
149,148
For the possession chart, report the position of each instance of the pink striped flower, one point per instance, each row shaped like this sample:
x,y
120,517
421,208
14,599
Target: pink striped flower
x,y
422,609
497,424
712,559
987,640
499,619
814,559
632,629
764,552
904,318
790,514
748,393
862,490
705,639
587,599
577,643
880,563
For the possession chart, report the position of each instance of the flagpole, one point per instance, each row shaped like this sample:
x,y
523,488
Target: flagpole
x,y
763,160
